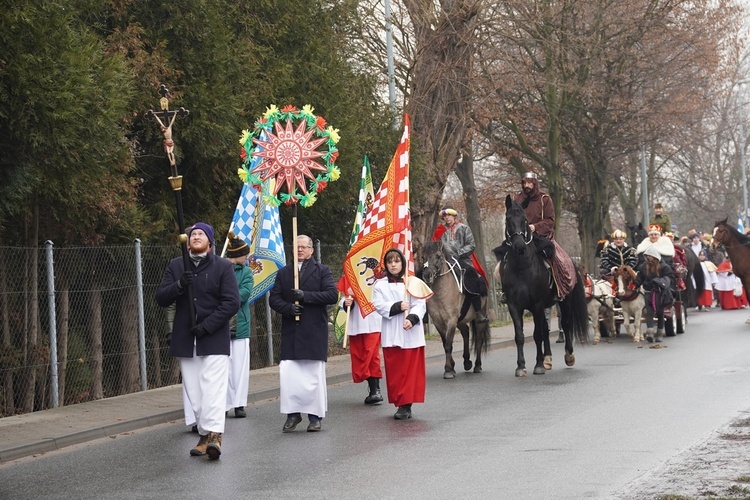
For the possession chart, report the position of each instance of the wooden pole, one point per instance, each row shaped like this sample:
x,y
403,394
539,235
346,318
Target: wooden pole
x,y
294,251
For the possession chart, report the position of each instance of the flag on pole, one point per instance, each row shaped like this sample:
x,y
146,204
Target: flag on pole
x,y
386,225
366,195
257,223
740,225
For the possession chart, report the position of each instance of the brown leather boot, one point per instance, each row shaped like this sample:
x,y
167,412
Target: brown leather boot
x,y
200,448
214,445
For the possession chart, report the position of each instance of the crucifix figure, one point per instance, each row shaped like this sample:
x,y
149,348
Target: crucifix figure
x,y
168,116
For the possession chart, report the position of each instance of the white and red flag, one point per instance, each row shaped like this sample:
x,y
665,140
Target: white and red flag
x,y
387,225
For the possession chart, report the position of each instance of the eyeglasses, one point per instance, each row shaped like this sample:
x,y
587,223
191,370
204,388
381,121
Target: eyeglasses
x,y
303,246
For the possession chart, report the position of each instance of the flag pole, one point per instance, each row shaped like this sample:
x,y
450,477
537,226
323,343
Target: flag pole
x,y
226,240
346,328
294,251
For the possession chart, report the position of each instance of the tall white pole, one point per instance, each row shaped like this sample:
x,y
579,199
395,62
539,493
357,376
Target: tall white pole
x,y
644,186
389,48
743,162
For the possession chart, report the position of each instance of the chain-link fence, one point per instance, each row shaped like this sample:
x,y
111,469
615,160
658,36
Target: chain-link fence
x,y
80,324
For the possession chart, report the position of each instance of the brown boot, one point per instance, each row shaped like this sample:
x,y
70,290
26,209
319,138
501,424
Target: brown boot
x,y
200,448
214,445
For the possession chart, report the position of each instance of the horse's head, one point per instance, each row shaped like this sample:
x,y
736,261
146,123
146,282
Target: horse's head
x,y
433,257
722,234
517,231
637,233
624,275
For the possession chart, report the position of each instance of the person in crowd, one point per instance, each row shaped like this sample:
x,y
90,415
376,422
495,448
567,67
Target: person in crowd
x,y
402,335
364,347
663,244
697,245
202,342
617,253
706,296
661,219
304,336
458,239
239,329
679,264
726,284
658,284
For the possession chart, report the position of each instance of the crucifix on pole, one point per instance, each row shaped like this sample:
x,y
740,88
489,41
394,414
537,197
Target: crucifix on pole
x,y
166,119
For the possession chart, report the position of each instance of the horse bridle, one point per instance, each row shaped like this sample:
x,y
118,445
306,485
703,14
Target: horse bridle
x,y
451,267
523,234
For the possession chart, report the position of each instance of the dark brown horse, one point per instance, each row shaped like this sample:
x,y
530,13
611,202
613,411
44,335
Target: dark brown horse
x,y
527,283
737,246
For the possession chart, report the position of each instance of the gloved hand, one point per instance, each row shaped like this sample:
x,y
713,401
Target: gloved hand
x,y
186,278
199,331
297,309
298,295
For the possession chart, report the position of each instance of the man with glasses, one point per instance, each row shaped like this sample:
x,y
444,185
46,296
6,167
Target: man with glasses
x,y
304,336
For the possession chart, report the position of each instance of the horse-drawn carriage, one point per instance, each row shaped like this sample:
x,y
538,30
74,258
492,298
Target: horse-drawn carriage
x,y
628,307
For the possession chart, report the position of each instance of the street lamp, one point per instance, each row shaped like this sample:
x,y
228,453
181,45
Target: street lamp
x,y
164,117
743,166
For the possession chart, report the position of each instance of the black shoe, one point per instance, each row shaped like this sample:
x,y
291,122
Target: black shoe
x,y
239,412
502,298
403,413
194,429
313,426
374,398
291,423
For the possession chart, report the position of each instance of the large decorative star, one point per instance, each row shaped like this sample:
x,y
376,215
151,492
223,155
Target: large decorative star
x,y
289,156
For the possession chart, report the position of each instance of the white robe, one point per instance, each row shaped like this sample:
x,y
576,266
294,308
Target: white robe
x,y
303,387
392,333
359,325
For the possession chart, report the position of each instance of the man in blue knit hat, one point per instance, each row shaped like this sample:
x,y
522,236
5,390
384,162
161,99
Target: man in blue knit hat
x,y
202,343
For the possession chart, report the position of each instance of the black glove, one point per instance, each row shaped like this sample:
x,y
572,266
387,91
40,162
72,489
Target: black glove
x,y
298,295
199,331
297,309
186,278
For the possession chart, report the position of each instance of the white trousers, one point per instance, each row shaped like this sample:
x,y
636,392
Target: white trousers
x,y
204,384
239,373
302,387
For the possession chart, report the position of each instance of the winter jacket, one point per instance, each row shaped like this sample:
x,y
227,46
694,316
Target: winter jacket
x,y
216,298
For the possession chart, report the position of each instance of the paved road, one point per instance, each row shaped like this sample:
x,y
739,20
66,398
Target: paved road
x,y
592,431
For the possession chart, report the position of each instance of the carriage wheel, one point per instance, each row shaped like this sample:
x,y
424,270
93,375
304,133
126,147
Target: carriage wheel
x,y
680,317
669,318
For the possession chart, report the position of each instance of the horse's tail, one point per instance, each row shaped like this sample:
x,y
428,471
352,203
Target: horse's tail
x,y
574,313
480,338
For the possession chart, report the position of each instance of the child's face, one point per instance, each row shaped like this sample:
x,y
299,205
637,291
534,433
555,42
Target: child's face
x,y
394,264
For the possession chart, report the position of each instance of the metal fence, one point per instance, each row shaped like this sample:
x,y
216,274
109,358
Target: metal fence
x,y
80,324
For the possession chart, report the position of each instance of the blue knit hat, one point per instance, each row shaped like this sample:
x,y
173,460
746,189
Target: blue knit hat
x,y
205,228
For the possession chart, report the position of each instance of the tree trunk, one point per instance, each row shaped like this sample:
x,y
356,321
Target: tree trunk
x,y
8,400
438,103
31,314
465,173
63,328
130,366
95,341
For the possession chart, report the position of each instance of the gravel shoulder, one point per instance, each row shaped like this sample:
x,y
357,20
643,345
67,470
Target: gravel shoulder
x,y
716,468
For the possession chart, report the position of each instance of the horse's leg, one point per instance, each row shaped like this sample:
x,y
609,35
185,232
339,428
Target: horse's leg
x,y
609,315
541,339
464,329
481,334
517,316
593,309
637,315
450,332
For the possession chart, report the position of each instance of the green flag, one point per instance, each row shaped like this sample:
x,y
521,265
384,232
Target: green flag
x,y
366,195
